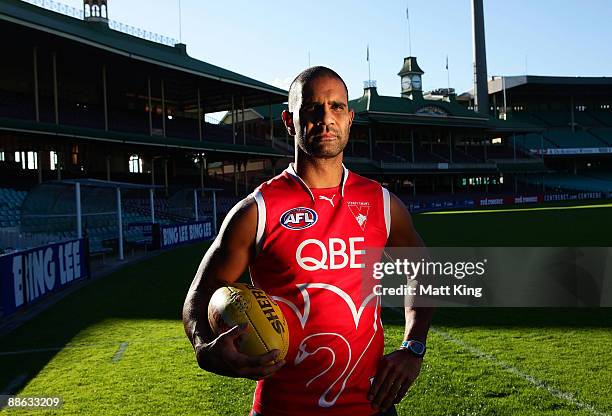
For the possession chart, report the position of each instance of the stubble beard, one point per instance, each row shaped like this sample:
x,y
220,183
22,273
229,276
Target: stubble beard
x,y
322,149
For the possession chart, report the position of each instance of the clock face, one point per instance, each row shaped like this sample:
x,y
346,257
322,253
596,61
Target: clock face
x,y
416,82
406,83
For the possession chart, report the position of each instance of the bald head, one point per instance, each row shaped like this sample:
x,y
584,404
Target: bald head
x,y
305,77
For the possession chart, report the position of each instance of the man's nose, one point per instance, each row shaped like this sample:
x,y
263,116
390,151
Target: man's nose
x,y
327,116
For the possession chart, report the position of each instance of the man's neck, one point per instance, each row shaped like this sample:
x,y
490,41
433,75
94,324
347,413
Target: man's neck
x,y
319,173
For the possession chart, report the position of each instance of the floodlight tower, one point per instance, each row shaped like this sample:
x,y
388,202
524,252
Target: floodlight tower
x,y
481,92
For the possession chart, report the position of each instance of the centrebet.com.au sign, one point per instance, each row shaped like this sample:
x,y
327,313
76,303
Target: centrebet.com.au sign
x,y
169,236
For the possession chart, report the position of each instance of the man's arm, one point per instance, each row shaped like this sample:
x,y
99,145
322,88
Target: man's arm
x,y
398,370
223,263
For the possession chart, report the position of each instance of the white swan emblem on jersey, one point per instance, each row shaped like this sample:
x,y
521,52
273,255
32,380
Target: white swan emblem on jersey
x,y
303,353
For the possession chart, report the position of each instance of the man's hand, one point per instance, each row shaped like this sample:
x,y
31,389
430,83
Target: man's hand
x,y
396,373
222,357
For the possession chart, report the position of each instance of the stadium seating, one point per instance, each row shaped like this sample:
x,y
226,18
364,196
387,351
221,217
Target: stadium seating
x,y
603,116
567,139
10,207
525,117
603,133
533,141
15,105
554,118
584,119
566,182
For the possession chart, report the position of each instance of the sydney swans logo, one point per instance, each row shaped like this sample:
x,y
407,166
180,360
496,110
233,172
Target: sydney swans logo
x,y
307,347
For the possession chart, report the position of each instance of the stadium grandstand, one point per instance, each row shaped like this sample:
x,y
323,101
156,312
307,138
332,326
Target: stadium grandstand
x,y
574,115
425,146
85,98
135,114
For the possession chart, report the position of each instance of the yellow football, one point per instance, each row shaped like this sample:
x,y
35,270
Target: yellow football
x,y
240,303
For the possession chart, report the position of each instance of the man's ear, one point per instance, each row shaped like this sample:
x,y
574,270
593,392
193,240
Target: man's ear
x,y
288,120
351,117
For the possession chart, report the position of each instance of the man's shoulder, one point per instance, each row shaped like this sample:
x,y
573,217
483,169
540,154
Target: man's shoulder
x,y
356,178
278,182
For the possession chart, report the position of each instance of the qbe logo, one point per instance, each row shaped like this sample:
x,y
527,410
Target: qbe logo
x,y
298,218
335,253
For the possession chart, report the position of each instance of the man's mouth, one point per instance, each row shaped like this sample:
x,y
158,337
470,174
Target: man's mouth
x,y
326,136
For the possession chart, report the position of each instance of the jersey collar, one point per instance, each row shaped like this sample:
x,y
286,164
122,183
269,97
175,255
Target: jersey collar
x,y
293,174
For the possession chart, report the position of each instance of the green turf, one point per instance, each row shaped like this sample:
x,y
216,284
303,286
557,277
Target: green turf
x,y
575,228
567,349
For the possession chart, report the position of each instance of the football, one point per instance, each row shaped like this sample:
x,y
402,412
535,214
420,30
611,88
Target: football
x,y
240,303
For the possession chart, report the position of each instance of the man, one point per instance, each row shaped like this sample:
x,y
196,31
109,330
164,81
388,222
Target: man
x,y
303,235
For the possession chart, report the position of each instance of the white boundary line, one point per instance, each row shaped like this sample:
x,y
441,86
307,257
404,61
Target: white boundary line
x,y
511,369
83,346
119,354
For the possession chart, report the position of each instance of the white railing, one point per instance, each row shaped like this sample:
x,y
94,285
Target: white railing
x,y
73,12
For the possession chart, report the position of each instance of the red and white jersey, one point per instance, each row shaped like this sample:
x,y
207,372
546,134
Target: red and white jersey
x,y
311,245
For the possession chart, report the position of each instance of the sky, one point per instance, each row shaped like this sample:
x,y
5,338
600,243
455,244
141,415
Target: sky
x,y
272,41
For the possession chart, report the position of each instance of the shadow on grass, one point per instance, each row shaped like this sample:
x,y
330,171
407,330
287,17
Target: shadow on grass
x,y
153,289
524,317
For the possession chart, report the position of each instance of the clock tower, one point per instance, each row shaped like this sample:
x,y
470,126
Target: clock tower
x,y
410,75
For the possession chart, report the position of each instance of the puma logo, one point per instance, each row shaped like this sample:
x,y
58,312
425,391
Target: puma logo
x,y
330,200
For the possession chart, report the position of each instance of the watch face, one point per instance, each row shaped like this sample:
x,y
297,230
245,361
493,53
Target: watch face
x,y
417,347
406,83
416,82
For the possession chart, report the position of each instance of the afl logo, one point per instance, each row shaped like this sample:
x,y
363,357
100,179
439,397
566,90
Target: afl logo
x,y
298,218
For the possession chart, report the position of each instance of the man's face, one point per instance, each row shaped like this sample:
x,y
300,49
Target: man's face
x,y
321,120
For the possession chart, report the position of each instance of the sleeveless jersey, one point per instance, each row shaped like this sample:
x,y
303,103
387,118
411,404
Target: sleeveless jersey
x,y
310,258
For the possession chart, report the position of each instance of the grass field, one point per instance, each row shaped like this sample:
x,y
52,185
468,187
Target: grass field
x,y
117,346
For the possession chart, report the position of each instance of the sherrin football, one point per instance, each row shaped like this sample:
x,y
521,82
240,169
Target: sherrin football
x,y
240,303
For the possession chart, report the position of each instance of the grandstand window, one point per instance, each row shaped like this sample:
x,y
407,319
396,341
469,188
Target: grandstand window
x,y
496,140
1,155
28,160
53,160
21,158
581,107
74,155
135,164
32,160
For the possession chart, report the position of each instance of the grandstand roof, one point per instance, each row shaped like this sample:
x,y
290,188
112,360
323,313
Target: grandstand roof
x,y
547,83
421,111
220,149
107,184
102,37
516,81
371,102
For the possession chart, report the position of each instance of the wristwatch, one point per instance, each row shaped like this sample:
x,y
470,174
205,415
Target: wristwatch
x,y
414,347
